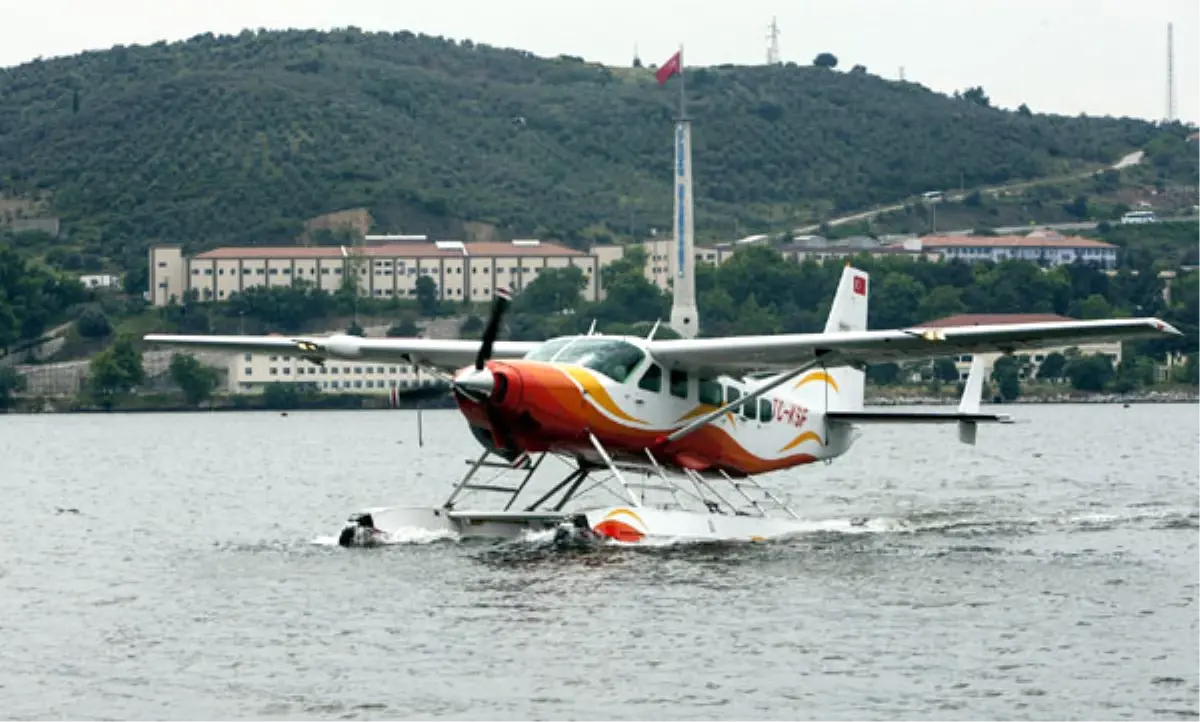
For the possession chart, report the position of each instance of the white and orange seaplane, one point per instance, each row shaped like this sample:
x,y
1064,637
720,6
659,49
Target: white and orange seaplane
x,y
677,431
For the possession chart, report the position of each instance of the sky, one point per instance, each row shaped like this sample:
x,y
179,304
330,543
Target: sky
x,y
1100,57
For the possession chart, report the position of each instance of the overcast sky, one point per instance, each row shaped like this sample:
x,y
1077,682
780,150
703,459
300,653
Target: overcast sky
x,y
1068,56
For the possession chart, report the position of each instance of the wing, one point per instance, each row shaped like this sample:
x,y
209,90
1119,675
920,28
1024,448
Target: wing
x,y
739,355
449,355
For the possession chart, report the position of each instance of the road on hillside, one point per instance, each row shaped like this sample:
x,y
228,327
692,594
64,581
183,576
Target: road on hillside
x,y
1126,161
1075,226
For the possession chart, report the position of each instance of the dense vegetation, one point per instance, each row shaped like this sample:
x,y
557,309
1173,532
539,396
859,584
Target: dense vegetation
x,y
240,139
32,298
754,292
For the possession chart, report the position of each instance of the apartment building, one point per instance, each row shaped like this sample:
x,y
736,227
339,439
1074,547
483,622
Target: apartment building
x,y
460,271
250,373
1042,246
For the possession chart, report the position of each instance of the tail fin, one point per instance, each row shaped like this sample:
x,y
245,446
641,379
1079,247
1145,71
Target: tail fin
x,y
848,313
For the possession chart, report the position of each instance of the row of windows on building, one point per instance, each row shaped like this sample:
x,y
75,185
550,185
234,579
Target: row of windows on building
x,y
380,270
360,384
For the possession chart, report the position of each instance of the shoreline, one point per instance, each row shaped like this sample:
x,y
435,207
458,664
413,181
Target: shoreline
x,y
173,405
1142,397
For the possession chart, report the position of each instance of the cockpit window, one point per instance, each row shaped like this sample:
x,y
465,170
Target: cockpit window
x,y
614,358
546,351
652,379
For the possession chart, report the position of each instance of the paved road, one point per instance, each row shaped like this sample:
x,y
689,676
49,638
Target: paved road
x,y
1078,226
1126,161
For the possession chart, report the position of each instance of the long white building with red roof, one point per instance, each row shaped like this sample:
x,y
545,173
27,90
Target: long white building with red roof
x,y
460,271
1040,246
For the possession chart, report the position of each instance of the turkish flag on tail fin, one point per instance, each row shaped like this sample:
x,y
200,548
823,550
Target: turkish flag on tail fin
x,y
674,66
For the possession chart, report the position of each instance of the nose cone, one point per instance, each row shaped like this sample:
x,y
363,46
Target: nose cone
x,y
477,383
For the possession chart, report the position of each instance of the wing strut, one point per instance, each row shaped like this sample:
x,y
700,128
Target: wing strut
x,y
752,396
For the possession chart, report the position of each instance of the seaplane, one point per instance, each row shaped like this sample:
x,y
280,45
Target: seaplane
x,y
664,439
678,432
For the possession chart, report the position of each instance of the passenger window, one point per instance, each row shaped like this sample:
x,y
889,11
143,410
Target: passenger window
x,y
764,410
750,410
652,379
679,383
732,394
710,391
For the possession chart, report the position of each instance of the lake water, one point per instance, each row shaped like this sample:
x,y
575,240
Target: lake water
x,y
1050,572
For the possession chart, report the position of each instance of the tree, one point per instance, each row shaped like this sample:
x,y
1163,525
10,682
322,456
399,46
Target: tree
x,y
115,372
1078,207
1191,372
883,374
471,325
281,396
940,302
1089,373
1133,373
945,370
555,290
1051,368
1006,373
406,327
825,60
92,323
196,380
11,383
427,296
977,96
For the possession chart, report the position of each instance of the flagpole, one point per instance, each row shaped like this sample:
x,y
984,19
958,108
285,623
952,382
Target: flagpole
x,y
682,86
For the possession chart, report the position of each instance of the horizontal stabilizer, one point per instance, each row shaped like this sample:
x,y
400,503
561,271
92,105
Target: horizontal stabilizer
x,y
915,417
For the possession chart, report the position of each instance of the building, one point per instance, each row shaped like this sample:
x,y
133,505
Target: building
x,y
819,249
1043,246
104,280
460,271
963,361
250,373
802,248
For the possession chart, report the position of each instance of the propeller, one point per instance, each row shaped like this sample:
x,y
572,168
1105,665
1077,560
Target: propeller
x,y
479,385
499,305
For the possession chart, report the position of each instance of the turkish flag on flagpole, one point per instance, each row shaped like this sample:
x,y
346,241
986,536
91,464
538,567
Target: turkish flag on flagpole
x,y
674,66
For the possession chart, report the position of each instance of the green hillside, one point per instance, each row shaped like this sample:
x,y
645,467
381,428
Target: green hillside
x,y
240,139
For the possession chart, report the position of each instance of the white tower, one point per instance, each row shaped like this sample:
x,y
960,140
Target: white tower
x,y
1170,73
773,47
685,316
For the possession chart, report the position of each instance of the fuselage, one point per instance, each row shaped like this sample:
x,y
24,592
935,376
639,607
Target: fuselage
x,y
612,388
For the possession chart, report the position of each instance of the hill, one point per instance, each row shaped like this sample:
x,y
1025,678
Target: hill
x,y
242,139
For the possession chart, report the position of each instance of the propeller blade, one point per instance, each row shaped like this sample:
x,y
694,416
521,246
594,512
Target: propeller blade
x,y
503,298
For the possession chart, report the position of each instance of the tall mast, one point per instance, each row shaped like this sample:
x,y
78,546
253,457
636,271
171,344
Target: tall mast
x,y
685,316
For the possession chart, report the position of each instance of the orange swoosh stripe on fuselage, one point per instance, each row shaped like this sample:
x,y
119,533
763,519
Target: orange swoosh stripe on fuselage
x,y
596,391
806,436
818,376
704,409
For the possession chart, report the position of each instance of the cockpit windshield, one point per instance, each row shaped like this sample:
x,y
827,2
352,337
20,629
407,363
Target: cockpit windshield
x,y
546,351
614,358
